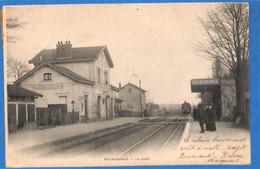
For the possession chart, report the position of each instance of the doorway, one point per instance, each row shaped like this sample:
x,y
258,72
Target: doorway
x,y
21,115
86,105
112,107
98,107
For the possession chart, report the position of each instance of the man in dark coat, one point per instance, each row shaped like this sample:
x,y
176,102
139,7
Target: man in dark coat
x,y
194,113
202,117
207,114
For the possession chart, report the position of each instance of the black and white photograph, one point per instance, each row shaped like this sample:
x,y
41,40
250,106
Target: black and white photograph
x,y
127,84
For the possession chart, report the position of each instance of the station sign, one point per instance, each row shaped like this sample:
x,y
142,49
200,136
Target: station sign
x,y
205,82
47,86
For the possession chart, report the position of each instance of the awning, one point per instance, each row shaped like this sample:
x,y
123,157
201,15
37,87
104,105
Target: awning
x,y
14,90
204,85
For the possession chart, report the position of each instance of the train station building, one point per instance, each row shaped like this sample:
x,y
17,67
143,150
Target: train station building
x,y
220,92
72,80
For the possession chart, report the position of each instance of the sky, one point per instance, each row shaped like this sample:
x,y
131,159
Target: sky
x,y
157,42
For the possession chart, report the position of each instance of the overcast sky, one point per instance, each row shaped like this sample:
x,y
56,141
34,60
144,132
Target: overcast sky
x,y
155,41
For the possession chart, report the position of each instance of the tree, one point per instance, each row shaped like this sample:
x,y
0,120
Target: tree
x,y
219,71
227,30
16,68
11,24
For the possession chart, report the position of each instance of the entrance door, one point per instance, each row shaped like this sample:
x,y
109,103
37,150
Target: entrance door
x,y
112,107
98,107
21,115
11,118
31,113
106,107
86,105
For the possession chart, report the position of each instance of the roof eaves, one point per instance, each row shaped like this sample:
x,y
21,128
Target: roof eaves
x,y
134,86
64,61
56,68
111,64
31,61
69,75
30,73
103,47
27,92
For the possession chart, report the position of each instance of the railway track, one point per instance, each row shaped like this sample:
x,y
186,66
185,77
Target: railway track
x,y
129,140
160,145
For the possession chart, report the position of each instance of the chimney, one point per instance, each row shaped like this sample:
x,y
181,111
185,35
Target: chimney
x,y
119,85
64,50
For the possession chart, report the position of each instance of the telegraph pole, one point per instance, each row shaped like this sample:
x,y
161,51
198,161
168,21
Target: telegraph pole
x,y
141,99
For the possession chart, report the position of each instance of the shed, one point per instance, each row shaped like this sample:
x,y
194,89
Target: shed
x,y
20,107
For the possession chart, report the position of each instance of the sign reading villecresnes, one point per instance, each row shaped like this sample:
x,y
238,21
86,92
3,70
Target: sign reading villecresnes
x,y
47,86
204,81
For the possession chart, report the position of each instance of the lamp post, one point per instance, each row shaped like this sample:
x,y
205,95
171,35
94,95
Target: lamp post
x,y
141,99
140,87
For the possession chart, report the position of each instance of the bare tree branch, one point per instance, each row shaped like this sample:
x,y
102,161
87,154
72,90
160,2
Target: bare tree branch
x,y
227,32
15,68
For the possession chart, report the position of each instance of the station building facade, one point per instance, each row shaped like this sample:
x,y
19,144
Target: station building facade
x,y
134,99
220,92
76,78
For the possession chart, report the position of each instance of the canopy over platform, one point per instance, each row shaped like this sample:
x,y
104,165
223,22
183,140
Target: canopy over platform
x,y
14,90
204,85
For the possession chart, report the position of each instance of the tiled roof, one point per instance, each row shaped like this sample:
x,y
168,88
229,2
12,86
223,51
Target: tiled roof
x,y
78,55
68,73
14,90
133,86
62,70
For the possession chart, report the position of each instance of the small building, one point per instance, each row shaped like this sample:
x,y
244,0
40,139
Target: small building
x,y
72,80
120,104
21,111
134,100
220,92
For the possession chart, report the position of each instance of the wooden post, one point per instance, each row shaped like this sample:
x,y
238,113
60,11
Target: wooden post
x,y
16,114
35,116
26,114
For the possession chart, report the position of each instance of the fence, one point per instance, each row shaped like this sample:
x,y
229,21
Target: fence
x,y
49,117
69,118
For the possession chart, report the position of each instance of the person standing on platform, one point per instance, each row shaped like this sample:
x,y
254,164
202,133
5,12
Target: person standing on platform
x,y
202,116
207,114
212,118
194,113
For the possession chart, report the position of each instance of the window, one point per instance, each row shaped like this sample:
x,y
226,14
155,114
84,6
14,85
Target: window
x,y
62,99
47,76
106,77
98,71
129,90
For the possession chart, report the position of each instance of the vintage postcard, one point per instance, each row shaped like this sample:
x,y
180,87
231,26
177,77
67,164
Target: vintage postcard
x,y
127,84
